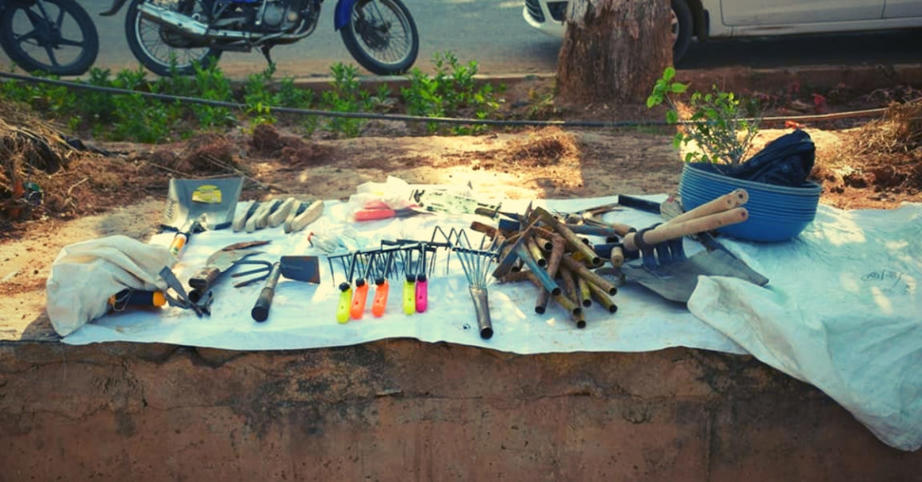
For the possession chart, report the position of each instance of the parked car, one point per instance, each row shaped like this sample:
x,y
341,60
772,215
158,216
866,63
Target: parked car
x,y
705,19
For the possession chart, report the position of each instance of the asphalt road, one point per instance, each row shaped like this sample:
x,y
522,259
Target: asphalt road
x,y
493,33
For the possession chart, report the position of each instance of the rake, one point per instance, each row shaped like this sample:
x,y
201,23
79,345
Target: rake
x,y
477,264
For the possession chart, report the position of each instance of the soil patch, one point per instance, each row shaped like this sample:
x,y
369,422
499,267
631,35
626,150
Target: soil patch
x,y
120,188
876,165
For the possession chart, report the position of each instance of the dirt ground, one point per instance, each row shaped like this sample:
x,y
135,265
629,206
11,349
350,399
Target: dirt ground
x,y
121,188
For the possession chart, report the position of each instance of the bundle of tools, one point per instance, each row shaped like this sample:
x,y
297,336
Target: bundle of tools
x,y
542,249
553,252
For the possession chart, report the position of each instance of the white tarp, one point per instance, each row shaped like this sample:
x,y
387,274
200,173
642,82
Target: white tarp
x,y
303,315
843,312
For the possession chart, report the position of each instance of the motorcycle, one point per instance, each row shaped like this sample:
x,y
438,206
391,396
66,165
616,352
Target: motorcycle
x,y
169,36
53,36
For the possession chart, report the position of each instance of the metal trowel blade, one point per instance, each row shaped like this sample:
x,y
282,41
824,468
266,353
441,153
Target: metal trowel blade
x,y
300,268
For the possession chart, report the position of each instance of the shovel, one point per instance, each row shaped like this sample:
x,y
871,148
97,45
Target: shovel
x,y
299,268
195,205
664,268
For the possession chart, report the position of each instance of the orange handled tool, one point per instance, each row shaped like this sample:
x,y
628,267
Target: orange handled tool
x,y
380,303
360,294
131,297
382,269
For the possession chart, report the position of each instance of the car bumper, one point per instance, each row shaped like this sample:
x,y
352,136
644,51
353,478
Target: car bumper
x,y
538,16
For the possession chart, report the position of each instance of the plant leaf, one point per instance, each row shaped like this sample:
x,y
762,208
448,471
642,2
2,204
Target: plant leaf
x,y
671,116
669,73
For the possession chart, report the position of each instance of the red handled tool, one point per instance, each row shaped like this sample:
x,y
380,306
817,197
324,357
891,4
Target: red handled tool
x,y
375,210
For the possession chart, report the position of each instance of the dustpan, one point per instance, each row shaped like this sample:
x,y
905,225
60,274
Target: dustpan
x,y
195,205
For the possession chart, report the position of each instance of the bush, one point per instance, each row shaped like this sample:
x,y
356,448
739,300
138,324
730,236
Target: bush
x,y
721,125
450,92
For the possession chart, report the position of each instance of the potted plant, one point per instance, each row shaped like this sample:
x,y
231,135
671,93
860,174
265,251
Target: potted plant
x,y
717,134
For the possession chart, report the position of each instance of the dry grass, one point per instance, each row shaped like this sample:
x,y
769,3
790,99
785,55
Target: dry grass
x,y
899,131
545,147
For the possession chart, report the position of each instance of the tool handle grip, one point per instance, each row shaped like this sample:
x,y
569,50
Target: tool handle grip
x,y
260,310
300,221
726,202
359,298
617,257
342,311
674,230
278,217
374,214
482,308
380,303
178,244
422,295
204,278
409,297
129,297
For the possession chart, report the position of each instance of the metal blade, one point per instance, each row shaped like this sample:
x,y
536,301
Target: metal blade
x,y
300,268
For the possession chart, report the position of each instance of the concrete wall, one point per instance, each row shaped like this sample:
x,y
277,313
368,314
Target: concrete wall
x,y
405,410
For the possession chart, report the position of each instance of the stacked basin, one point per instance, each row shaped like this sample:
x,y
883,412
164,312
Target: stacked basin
x,y
776,213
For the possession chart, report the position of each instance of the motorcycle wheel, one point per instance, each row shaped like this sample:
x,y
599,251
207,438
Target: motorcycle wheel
x,y
53,36
381,35
158,46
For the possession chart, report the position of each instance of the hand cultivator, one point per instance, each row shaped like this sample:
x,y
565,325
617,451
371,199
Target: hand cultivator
x,y
477,263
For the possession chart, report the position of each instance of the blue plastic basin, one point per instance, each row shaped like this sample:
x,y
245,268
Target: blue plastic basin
x,y
776,213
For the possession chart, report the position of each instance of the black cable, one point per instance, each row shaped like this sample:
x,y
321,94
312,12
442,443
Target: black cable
x,y
416,118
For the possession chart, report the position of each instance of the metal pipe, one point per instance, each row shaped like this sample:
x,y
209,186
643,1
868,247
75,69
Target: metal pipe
x,y
602,297
572,239
557,247
583,271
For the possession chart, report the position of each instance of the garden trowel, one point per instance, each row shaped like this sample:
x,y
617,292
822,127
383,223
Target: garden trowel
x,y
195,205
219,263
298,268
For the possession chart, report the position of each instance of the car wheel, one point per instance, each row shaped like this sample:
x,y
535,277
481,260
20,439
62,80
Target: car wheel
x,y
681,29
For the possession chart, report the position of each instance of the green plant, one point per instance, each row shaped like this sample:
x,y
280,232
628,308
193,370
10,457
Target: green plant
x,y
452,91
721,124
208,83
346,95
258,98
290,95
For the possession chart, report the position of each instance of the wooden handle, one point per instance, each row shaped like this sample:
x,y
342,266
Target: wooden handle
x,y
280,214
617,257
726,202
241,219
204,278
309,215
665,232
260,311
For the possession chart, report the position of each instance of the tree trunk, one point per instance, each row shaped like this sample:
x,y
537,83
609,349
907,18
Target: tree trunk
x,y
614,50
